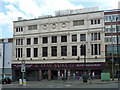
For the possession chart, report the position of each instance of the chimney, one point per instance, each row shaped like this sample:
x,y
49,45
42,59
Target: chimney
x,y
19,18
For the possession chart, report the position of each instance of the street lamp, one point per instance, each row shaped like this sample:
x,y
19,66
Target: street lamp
x,y
83,47
112,50
117,45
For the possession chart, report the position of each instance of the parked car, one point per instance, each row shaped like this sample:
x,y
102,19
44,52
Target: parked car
x,y
6,81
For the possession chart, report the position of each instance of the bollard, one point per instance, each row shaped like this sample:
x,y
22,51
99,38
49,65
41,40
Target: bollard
x,y
20,81
24,81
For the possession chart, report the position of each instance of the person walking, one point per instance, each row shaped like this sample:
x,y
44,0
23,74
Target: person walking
x,y
93,75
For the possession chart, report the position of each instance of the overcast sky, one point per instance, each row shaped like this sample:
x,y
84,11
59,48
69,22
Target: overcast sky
x,y
10,10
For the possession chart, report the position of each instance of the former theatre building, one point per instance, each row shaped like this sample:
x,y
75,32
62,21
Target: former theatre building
x,y
51,45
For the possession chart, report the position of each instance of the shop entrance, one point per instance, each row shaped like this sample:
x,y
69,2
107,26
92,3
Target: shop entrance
x,y
54,74
45,74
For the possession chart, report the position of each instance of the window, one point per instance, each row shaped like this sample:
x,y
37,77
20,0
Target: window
x,y
54,50
21,28
98,21
91,22
95,45
82,37
63,38
19,41
83,49
106,18
35,40
28,52
74,38
35,52
54,39
74,50
32,27
78,22
95,36
45,40
63,50
16,42
98,36
16,29
28,41
44,51
18,52
95,49
92,36
95,21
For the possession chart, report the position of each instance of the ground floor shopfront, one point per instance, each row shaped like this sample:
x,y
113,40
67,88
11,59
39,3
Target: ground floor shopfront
x,y
56,71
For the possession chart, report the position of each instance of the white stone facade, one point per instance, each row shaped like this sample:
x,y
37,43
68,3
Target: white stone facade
x,y
58,26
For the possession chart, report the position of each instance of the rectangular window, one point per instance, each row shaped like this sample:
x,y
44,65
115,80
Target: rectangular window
x,y
74,50
18,52
54,50
63,50
16,29
63,38
78,22
35,52
16,42
95,36
91,22
98,21
98,36
44,51
92,49
21,52
28,52
21,41
35,40
54,39
99,49
74,38
91,36
28,41
45,40
95,21
96,49
82,37
83,49
21,29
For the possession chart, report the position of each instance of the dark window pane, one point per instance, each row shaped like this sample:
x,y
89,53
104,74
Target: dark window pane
x,y
45,39
82,37
16,41
74,50
95,47
74,38
21,28
63,50
98,36
28,41
63,38
91,22
21,41
98,21
95,21
92,36
28,52
16,29
21,52
99,49
54,39
54,50
35,40
92,49
44,51
35,52
18,52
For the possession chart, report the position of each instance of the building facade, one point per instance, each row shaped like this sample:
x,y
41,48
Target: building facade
x,y
6,57
111,39
52,46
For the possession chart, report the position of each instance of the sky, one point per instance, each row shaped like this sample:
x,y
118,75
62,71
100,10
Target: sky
x,y
10,10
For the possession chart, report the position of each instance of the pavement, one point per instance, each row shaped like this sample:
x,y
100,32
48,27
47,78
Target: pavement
x,y
61,83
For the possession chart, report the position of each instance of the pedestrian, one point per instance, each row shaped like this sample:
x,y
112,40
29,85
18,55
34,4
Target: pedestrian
x,y
93,75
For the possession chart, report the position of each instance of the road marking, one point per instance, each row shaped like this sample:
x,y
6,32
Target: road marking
x,y
68,85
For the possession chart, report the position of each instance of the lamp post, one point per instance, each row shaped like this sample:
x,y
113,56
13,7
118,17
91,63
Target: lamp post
x,y
85,76
117,45
112,50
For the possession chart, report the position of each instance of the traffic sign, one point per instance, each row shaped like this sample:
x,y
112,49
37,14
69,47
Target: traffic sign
x,y
23,68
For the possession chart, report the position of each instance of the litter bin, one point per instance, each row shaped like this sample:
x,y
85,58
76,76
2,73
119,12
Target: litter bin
x,y
24,81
